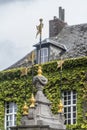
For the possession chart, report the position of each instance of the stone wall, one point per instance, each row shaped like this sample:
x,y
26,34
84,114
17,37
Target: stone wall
x,y
54,53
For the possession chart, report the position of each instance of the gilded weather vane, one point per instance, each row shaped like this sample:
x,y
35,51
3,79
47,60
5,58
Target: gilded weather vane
x,y
39,28
39,31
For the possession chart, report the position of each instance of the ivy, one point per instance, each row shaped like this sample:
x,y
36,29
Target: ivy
x,y
15,88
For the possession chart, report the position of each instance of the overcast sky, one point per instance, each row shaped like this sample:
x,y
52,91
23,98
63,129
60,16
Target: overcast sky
x,y
18,20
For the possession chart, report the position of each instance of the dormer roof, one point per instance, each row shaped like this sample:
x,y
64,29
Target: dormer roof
x,y
49,41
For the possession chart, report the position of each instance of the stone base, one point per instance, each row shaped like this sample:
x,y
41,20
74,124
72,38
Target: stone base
x,y
37,127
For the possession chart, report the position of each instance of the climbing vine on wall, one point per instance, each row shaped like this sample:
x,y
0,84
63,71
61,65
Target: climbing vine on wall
x,y
17,88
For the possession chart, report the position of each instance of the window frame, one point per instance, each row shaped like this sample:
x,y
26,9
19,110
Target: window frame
x,y
70,107
44,55
10,112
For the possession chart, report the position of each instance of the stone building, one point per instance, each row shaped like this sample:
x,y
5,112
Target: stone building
x,y
64,41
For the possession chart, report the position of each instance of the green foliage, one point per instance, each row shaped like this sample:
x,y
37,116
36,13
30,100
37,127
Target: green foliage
x,y
15,88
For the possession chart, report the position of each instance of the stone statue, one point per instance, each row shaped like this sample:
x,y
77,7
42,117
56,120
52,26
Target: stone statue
x,y
41,113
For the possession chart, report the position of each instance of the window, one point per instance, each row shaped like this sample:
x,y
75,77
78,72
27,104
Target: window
x,y
44,55
69,100
10,115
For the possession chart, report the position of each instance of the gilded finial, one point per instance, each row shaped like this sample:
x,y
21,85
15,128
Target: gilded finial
x,y
39,71
60,107
32,100
25,109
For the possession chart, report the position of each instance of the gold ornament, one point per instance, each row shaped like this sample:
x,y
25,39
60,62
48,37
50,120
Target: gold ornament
x,y
31,56
39,71
60,63
24,71
60,107
32,100
25,109
39,28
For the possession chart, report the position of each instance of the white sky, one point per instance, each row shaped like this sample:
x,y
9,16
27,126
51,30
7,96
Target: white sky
x,y
18,20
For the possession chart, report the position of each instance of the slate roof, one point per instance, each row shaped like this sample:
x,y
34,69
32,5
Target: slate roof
x,y
72,38
24,62
75,39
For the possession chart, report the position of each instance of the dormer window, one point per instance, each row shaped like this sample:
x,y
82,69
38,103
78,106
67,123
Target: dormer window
x,y
50,50
44,55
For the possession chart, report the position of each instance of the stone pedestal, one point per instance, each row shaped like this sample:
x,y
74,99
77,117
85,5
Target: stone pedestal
x,y
40,116
37,127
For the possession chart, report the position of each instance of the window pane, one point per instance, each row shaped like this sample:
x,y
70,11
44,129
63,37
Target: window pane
x,y
10,110
69,109
65,103
74,121
10,123
7,110
74,108
44,55
45,52
65,115
69,99
7,123
74,101
69,115
74,96
65,110
65,98
69,121
11,105
69,102
10,115
74,114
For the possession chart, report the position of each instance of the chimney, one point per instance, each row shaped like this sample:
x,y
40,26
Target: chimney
x,y
57,24
61,14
